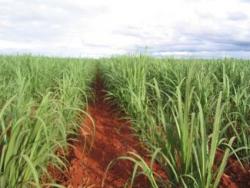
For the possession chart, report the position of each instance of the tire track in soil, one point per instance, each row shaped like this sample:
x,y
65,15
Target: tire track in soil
x,y
113,138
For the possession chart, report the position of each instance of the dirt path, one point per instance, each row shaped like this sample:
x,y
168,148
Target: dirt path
x,y
113,138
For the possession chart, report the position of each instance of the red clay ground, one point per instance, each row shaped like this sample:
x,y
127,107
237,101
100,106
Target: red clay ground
x,y
113,138
235,176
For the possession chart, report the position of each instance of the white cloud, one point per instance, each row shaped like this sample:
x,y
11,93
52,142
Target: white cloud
x,y
97,27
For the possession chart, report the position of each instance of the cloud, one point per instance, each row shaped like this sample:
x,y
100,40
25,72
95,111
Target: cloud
x,y
100,28
235,16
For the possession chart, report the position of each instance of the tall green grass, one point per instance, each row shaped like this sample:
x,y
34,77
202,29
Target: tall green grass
x,y
40,102
185,110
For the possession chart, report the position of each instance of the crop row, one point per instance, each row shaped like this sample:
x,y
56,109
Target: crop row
x,y
40,102
185,111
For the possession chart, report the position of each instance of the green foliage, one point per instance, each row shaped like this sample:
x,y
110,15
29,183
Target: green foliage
x,y
183,110
186,110
40,102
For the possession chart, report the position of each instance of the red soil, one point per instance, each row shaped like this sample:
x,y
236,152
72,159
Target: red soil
x,y
235,175
113,138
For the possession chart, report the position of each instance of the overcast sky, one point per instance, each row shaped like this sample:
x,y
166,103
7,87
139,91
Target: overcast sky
x,y
208,28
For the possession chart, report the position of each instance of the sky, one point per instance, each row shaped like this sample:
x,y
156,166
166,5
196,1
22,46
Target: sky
x,y
97,28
